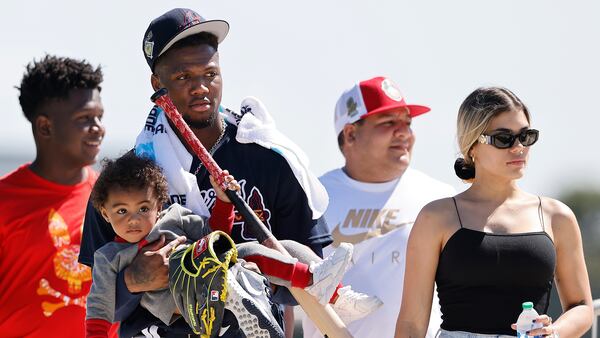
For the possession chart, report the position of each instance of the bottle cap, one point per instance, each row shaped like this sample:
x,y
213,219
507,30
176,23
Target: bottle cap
x,y
527,305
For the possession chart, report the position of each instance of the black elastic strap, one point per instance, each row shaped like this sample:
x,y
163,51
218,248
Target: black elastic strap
x,y
457,213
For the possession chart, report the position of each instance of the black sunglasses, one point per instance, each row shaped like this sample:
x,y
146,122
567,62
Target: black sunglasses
x,y
505,139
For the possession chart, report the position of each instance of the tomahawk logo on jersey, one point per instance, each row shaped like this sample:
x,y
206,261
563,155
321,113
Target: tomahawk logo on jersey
x,y
254,199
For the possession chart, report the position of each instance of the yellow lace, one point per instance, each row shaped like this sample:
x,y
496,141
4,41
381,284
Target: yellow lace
x,y
186,277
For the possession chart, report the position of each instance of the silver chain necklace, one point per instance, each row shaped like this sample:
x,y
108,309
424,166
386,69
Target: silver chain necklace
x,y
223,126
212,149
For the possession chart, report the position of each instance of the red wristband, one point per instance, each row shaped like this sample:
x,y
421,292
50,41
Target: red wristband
x,y
221,217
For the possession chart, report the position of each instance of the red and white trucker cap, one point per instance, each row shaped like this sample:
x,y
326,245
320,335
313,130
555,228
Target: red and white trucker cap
x,y
369,97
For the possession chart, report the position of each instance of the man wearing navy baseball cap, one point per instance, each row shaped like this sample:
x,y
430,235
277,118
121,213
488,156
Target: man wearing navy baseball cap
x,y
376,196
181,49
175,25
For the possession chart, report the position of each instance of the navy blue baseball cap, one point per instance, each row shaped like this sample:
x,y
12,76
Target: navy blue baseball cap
x,y
175,25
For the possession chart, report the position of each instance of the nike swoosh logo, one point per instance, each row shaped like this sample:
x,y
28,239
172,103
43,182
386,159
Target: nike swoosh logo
x,y
223,330
249,287
339,237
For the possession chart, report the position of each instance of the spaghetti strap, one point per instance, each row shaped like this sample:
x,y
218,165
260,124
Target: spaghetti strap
x,y
541,214
457,213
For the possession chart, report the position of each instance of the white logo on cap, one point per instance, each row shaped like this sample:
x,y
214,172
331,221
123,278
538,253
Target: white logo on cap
x,y
148,45
391,90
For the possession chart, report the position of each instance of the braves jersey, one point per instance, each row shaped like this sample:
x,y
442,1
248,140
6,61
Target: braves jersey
x,y
268,186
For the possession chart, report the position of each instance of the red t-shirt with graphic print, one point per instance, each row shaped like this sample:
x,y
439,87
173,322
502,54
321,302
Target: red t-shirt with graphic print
x,y
42,287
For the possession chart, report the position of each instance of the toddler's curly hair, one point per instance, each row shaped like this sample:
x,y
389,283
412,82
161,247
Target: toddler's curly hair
x,y
129,172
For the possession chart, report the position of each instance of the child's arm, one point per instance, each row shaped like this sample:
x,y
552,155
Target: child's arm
x,y
100,302
222,215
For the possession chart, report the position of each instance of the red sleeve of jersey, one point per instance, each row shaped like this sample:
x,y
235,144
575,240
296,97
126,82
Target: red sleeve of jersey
x,y
222,217
97,328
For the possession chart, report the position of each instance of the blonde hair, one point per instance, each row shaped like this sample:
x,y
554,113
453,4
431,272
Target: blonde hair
x,y
474,116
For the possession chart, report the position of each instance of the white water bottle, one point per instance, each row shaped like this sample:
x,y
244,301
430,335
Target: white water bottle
x,y
525,321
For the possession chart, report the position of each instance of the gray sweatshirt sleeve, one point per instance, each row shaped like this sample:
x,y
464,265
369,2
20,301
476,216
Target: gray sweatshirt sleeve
x,y
179,221
108,261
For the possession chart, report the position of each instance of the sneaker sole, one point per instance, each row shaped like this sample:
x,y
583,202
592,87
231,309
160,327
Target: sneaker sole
x,y
251,319
349,316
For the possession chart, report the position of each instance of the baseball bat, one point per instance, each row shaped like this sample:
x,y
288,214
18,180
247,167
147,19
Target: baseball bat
x,y
326,320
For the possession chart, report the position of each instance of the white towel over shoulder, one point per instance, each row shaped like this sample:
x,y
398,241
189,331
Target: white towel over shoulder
x,y
257,126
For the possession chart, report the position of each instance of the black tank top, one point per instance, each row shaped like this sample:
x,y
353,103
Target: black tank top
x,y
483,278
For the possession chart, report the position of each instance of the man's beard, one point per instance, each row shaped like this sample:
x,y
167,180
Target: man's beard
x,y
202,123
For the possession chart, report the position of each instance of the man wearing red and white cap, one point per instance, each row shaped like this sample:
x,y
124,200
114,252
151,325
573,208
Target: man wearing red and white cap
x,y
375,198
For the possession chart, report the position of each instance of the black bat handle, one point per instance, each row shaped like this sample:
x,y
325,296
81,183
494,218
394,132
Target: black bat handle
x,y
256,226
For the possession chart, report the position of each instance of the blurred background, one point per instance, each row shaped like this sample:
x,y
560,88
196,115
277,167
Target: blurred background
x,y
299,57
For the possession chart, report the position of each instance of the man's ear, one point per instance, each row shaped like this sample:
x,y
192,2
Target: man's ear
x,y
155,81
349,133
43,125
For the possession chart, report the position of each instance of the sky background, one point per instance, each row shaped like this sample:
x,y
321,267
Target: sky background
x,y
298,57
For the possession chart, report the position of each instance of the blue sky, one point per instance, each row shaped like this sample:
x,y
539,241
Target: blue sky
x,y
299,57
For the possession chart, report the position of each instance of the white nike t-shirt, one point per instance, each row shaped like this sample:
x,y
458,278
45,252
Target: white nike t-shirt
x,y
377,219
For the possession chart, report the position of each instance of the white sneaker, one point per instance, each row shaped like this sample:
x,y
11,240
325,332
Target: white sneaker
x,y
351,305
328,273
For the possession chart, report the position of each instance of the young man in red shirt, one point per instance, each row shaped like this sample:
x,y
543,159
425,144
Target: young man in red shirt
x,y
42,203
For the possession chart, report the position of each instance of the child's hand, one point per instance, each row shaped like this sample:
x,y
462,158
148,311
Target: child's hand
x,y
232,184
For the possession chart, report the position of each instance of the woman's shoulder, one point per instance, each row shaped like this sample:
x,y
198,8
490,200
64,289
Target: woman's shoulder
x,y
562,219
439,206
436,222
556,209
440,213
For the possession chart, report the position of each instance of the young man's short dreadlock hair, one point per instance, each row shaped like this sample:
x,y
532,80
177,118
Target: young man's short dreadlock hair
x,y
129,172
54,77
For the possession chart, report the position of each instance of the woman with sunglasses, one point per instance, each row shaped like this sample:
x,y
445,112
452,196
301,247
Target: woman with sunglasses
x,y
494,246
